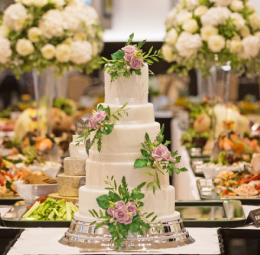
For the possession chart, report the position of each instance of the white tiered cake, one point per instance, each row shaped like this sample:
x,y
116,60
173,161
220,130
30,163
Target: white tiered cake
x,y
122,147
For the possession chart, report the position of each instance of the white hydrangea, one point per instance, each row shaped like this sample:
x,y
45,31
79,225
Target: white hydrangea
x,y
207,31
15,16
191,4
170,20
171,37
215,16
238,20
63,53
190,26
168,53
24,47
251,46
221,2
182,16
237,5
188,44
52,24
71,19
254,20
216,43
89,15
5,50
81,52
76,3
199,11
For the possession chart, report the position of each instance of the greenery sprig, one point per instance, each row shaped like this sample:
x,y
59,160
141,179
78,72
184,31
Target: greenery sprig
x,y
122,66
140,223
160,166
105,127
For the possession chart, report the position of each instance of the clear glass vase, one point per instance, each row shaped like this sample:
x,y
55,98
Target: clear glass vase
x,y
61,86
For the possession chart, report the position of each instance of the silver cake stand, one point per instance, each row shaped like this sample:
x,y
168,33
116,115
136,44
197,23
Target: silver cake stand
x,y
82,235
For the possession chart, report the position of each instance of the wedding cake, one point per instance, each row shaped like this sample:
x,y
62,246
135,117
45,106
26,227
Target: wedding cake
x,y
122,147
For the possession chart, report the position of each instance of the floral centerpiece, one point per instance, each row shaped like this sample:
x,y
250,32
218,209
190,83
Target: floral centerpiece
x,y
204,33
43,33
122,211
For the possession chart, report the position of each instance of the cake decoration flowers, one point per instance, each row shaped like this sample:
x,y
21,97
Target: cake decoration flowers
x,y
158,157
130,59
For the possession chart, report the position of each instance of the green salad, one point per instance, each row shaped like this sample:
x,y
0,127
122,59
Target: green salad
x,y
51,210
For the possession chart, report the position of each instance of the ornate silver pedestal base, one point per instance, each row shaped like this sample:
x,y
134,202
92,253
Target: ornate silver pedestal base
x,y
82,235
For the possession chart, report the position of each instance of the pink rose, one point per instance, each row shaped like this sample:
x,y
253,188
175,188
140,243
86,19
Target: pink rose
x,y
99,116
92,124
122,217
159,153
120,204
129,49
136,63
168,156
128,57
111,211
131,207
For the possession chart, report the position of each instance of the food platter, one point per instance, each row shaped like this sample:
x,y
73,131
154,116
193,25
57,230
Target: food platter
x,y
9,200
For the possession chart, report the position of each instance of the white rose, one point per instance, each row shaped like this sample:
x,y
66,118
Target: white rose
x,y
237,5
215,16
221,2
199,11
245,31
168,53
5,50
190,26
40,3
250,6
34,33
4,31
170,20
28,2
238,20
191,4
58,3
216,43
15,16
235,46
71,19
171,37
24,47
254,20
48,51
81,52
207,31
80,36
188,44
251,46
182,16
51,24
63,52
257,34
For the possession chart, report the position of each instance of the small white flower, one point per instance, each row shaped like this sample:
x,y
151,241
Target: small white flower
x,y
245,31
168,53
182,16
48,51
238,20
221,2
190,26
207,31
216,43
4,31
199,11
251,46
5,50
81,52
215,16
34,33
24,47
254,20
237,5
171,37
63,53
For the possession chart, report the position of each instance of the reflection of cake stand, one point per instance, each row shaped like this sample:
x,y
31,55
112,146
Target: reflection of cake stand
x,y
171,235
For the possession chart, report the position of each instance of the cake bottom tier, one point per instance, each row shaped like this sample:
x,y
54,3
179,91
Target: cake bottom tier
x,y
162,203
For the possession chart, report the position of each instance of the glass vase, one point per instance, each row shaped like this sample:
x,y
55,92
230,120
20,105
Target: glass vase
x,y
61,86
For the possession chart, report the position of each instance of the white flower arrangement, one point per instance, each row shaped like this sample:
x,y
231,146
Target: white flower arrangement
x,y
203,33
57,33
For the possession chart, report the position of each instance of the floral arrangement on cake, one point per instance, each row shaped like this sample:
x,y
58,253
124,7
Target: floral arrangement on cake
x,y
158,157
203,33
101,123
129,60
122,211
42,33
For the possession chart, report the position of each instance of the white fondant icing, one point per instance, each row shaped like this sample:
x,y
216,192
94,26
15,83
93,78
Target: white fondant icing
x,y
77,151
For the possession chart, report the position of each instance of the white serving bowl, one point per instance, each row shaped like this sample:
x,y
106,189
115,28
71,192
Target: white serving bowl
x,y
30,192
49,168
210,172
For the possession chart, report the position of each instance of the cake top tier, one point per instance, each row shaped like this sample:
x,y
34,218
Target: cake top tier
x,y
132,90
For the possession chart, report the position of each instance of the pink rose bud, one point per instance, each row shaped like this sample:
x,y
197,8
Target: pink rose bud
x,y
129,49
136,63
128,68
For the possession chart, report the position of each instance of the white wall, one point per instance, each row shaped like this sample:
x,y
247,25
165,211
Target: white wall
x,y
256,3
145,18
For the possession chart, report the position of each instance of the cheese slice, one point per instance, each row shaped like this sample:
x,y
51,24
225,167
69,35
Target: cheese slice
x,y
74,167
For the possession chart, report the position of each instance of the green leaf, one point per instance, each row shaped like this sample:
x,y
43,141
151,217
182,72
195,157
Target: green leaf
x,y
95,212
92,213
124,182
103,201
137,217
155,59
108,129
149,174
154,218
119,114
153,189
100,107
138,71
108,111
109,188
140,44
124,105
140,196
140,186
140,204
150,50
149,215
144,153
158,181
92,223
130,39
101,224
101,213
112,228
149,185
147,138
118,55
140,163
115,184
105,59
115,117
134,227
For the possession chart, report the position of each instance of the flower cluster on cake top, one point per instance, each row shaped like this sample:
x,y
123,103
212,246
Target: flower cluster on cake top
x,y
130,59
